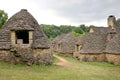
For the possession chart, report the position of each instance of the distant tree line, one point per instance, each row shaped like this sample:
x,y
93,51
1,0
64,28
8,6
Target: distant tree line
x,y
52,30
3,17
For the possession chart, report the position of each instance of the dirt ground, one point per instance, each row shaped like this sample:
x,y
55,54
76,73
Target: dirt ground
x,y
63,62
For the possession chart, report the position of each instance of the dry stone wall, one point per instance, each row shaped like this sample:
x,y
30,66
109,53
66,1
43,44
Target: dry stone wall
x,y
92,57
113,58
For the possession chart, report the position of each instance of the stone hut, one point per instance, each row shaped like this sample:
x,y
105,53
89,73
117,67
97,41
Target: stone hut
x,y
100,44
113,45
92,45
113,50
55,42
22,41
67,44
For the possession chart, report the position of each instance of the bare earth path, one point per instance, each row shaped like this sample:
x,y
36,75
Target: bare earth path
x,y
63,62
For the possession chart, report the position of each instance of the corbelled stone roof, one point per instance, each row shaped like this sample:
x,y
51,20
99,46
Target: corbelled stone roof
x,y
99,30
94,42
58,38
68,43
23,20
113,46
56,41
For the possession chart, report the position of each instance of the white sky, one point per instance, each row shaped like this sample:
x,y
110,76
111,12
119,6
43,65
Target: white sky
x,y
44,14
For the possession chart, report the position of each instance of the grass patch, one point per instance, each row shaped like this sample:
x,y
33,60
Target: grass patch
x,y
54,59
102,64
81,71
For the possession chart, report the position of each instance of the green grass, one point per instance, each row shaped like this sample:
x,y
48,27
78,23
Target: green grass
x,y
80,71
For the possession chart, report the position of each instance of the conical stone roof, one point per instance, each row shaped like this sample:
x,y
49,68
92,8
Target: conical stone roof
x,y
23,20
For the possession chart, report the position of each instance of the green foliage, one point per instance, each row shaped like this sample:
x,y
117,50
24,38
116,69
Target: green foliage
x,y
77,34
118,20
3,17
52,31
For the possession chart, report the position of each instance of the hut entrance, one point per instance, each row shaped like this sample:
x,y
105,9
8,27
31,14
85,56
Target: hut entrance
x,y
59,46
22,36
77,48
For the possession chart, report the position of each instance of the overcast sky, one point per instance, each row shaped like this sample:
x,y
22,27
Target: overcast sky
x,y
65,12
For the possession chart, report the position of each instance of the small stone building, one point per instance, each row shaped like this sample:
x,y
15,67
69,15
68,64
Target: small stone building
x,y
22,41
113,50
66,45
54,45
113,45
100,44
92,46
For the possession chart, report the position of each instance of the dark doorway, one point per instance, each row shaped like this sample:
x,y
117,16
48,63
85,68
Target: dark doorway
x,y
77,47
24,35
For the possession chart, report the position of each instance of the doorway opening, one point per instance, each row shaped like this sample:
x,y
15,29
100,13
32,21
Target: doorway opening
x,y
24,35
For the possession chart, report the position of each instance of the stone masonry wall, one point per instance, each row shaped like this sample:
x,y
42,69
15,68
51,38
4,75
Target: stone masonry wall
x,y
42,56
112,58
26,56
92,57
76,55
5,55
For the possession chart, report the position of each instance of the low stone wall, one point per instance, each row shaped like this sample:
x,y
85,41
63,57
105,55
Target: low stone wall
x,y
26,56
113,58
5,55
92,57
42,56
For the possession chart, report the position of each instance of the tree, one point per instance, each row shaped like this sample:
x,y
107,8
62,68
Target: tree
x,y
118,20
52,30
84,28
78,30
3,17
